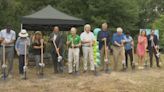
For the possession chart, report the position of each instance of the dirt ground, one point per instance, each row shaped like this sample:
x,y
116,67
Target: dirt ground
x,y
147,80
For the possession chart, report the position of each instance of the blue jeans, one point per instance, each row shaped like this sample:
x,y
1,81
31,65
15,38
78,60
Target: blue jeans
x,y
37,60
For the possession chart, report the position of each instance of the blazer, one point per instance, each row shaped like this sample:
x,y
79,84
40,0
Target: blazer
x,y
58,41
101,35
155,40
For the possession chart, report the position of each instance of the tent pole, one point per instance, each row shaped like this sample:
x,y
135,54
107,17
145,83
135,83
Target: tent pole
x,y
21,26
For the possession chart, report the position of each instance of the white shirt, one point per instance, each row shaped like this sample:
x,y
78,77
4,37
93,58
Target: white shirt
x,y
87,37
8,37
54,38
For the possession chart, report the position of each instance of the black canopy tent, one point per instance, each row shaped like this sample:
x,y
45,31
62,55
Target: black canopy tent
x,y
48,17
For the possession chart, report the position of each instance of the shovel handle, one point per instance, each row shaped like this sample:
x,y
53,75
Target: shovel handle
x,y
4,55
106,57
25,54
42,50
56,48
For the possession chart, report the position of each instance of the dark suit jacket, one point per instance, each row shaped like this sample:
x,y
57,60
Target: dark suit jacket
x,y
58,41
101,35
155,40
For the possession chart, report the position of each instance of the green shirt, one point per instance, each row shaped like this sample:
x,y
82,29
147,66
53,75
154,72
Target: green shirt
x,y
76,40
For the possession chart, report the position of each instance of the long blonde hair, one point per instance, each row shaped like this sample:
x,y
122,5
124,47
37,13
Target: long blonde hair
x,y
35,39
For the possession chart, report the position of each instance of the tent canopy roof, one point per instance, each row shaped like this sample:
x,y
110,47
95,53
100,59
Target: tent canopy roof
x,y
51,16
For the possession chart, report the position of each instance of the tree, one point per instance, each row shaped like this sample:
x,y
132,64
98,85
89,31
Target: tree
x,y
159,24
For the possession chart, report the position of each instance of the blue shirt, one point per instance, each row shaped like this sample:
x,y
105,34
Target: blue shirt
x,y
117,38
128,44
20,45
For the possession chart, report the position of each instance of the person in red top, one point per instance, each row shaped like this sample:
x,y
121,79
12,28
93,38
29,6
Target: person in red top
x,y
141,48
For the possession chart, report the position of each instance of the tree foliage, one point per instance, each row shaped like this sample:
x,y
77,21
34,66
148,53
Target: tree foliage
x,y
129,14
159,24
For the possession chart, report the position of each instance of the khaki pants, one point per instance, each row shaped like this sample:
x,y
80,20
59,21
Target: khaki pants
x,y
9,55
88,54
73,58
102,57
118,53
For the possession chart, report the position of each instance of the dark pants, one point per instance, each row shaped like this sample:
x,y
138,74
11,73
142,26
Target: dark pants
x,y
130,53
151,52
58,66
21,63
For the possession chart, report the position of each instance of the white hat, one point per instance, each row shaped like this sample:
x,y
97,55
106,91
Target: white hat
x,y
119,29
23,33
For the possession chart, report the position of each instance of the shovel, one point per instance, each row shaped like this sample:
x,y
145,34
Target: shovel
x,y
25,62
106,57
60,58
4,66
41,64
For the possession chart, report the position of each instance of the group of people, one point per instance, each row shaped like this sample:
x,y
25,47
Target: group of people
x,y
122,46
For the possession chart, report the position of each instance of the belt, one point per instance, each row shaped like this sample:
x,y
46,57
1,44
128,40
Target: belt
x,y
115,46
74,47
86,46
6,46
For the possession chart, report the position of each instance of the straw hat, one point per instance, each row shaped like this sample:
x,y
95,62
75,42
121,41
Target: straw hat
x,y
23,33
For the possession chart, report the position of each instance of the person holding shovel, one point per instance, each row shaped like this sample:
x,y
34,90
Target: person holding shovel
x,y
104,39
56,50
118,48
88,39
22,40
152,47
37,46
129,47
7,39
74,43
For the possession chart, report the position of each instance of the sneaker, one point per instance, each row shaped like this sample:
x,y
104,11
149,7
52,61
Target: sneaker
x,y
10,76
1,75
158,66
22,76
140,67
106,70
70,73
77,73
84,71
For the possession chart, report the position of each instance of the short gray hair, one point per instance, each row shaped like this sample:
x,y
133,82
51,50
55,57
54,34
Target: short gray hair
x,y
73,29
87,25
119,29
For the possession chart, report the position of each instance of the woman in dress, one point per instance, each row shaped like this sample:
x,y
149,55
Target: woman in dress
x,y
141,48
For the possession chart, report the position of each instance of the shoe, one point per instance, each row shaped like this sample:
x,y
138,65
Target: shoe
x,y
102,69
70,73
123,67
22,76
133,66
158,66
106,70
1,75
77,73
10,76
84,71
140,67
38,73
